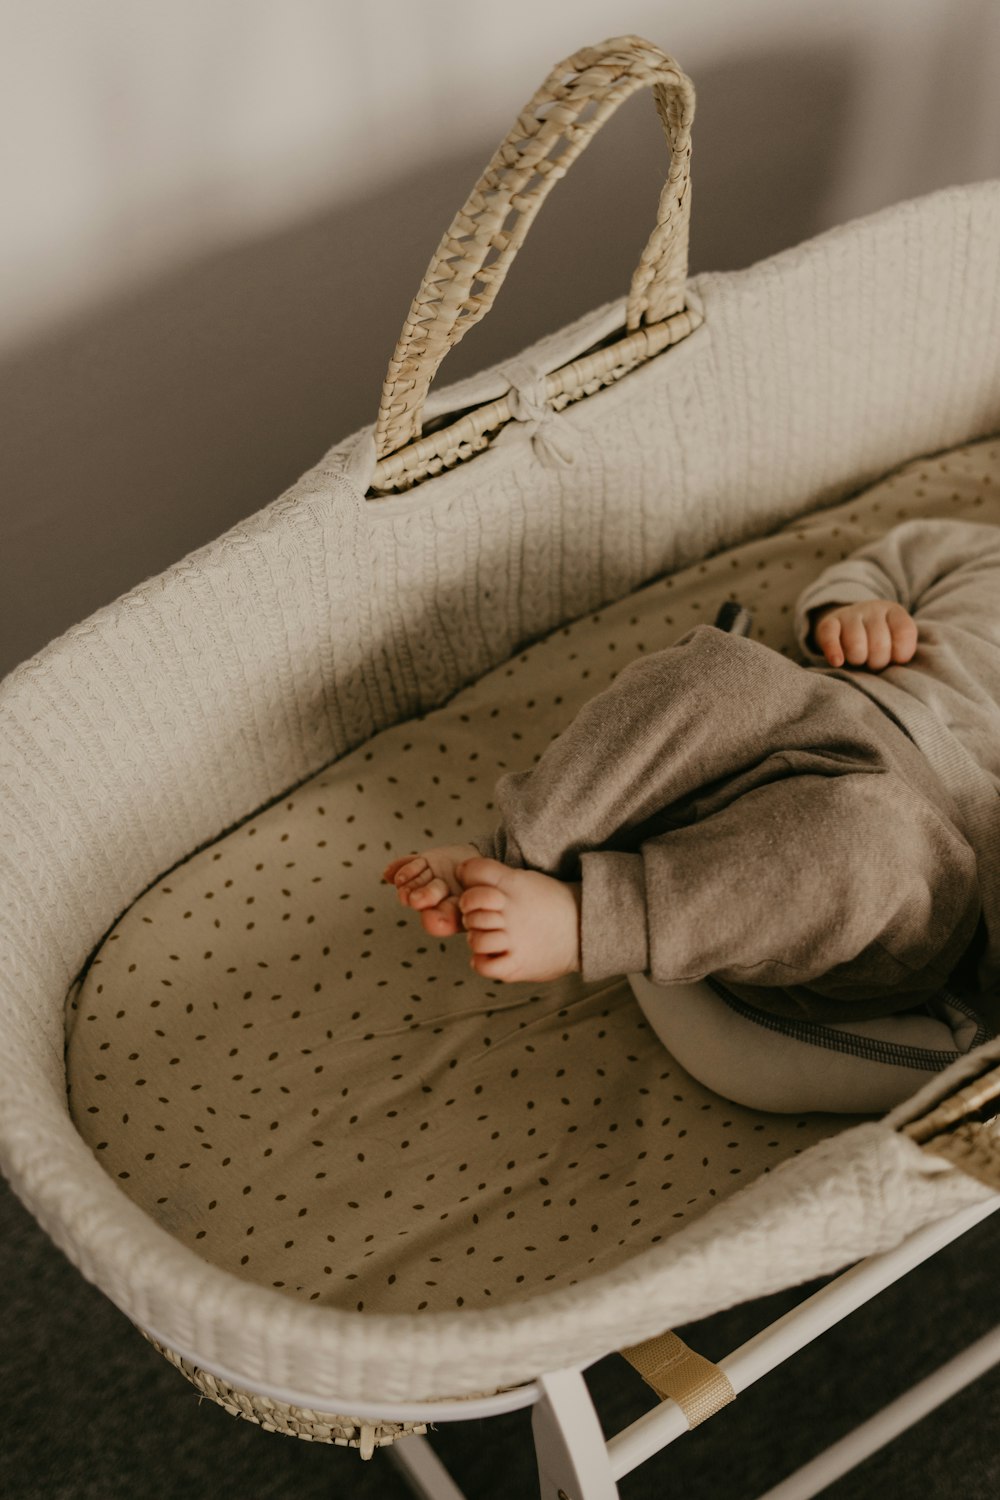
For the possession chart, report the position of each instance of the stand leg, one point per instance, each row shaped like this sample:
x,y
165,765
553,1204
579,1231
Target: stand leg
x,y
572,1455
423,1470
866,1439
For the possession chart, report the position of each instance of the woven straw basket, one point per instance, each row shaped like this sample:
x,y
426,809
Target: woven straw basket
x,y
414,557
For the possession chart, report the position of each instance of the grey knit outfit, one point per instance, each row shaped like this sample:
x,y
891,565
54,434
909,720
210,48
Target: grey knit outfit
x,y
825,841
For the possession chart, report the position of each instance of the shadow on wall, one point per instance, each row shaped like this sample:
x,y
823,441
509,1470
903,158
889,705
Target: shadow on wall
x,y
155,422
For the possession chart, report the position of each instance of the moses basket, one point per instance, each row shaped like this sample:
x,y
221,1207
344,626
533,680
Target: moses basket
x,y
425,608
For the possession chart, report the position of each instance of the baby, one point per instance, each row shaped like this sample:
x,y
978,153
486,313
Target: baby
x,y
824,838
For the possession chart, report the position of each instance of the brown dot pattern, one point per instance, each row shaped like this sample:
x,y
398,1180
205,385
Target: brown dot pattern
x,y
272,1059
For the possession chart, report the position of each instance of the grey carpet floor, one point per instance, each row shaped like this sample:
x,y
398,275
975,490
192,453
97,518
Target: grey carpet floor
x,y
91,1412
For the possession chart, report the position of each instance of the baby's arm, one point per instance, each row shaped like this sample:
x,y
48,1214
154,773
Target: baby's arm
x,y
870,634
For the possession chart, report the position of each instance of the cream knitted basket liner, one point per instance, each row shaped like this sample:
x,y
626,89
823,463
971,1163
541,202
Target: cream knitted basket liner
x,y
282,1070
132,743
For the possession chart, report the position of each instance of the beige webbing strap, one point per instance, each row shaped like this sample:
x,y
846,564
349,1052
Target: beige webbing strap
x,y
672,1369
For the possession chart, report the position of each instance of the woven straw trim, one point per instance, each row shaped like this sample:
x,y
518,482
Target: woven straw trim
x,y
956,1108
459,286
293,1421
972,1147
474,431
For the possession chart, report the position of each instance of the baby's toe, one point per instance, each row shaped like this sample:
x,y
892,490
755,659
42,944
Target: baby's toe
x,y
481,871
489,942
443,920
481,920
429,892
481,898
500,966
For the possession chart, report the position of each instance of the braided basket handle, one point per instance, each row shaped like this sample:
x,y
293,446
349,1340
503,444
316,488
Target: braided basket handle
x,y
459,286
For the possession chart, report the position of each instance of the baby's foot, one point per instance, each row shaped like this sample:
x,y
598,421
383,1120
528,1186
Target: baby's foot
x,y
427,882
521,925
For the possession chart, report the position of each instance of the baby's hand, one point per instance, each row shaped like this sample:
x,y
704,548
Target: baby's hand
x,y
870,634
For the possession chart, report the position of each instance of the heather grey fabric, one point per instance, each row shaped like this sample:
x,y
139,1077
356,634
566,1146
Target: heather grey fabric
x,y
733,813
946,572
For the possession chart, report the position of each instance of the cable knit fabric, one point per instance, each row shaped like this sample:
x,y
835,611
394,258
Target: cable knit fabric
x,y
172,714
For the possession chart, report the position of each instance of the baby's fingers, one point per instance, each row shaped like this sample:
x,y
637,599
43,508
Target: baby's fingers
x,y
903,629
853,638
828,640
879,652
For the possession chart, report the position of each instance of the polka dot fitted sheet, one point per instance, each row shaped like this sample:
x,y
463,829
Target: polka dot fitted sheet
x,y
274,1061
